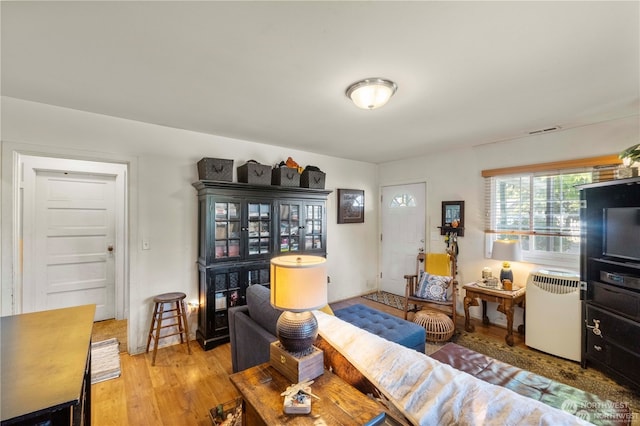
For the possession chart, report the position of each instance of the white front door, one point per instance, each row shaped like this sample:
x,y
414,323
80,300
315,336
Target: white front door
x,y
70,236
403,233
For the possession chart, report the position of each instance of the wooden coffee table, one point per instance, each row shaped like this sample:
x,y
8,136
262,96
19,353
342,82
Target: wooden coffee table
x,y
505,299
339,403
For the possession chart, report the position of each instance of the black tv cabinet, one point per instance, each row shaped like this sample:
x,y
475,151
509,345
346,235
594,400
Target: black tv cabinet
x,y
611,287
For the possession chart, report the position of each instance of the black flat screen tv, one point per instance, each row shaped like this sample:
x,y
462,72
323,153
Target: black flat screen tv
x,y
621,233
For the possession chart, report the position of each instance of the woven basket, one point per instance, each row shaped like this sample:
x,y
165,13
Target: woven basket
x,y
438,326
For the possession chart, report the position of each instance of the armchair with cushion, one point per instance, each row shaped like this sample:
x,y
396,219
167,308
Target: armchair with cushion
x,y
434,284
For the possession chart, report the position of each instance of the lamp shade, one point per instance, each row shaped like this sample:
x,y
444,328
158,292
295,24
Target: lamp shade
x,y
508,250
371,93
298,283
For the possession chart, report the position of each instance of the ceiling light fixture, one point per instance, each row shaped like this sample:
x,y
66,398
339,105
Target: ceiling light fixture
x,y
371,93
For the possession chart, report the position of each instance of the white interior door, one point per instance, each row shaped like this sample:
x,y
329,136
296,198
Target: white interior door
x,y
403,233
73,228
74,242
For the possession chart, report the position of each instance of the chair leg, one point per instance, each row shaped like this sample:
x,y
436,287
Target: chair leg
x,y
179,319
151,328
155,344
185,328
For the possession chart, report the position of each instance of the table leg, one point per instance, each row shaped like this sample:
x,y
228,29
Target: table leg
x,y
522,327
485,318
509,313
469,301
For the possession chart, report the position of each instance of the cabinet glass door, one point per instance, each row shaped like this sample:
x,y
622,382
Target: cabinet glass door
x,y
258,275
289,238
259,227
313,230
226,289
227,230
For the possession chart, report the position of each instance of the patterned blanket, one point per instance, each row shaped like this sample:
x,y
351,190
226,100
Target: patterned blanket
x,y
428,392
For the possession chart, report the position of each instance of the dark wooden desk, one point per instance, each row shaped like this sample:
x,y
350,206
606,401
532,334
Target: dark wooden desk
x,y
505,299
339,404
46,367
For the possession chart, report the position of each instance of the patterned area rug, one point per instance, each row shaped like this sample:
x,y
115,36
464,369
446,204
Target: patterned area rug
x,y
387,298
105,361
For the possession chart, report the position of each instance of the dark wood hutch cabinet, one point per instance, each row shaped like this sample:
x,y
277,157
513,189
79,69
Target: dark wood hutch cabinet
x,y
240,228
610,271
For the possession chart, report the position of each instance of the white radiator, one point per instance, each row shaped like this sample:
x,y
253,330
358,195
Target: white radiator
x,y
553,313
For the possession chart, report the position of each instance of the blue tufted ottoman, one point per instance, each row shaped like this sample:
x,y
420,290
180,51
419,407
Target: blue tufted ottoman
x,y
385,325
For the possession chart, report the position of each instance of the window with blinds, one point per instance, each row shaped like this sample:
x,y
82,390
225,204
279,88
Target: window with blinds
x,y
541,208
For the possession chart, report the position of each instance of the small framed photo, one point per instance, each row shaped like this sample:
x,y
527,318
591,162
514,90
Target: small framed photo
x,y
350,206
452,217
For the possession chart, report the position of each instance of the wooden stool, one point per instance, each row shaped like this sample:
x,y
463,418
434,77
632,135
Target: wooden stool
x,y
178,312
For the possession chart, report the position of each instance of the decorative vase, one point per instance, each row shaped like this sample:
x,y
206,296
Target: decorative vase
x,y
506,273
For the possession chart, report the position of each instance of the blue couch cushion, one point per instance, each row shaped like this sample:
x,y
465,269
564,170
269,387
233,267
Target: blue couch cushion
x,y
385,325
260,309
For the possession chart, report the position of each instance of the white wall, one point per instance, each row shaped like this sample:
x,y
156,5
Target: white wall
x,y
455,175
163,202
163,205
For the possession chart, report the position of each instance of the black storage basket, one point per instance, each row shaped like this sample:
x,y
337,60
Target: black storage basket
x,y
312,179
215,169
285,176
255,174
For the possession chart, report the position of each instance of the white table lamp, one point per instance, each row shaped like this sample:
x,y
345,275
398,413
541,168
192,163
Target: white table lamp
x,y
507,251
298,286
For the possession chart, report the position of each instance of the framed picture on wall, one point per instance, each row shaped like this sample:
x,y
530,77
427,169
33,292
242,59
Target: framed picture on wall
x,y
350,206
452,217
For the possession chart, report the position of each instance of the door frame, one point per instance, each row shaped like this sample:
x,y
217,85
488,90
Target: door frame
x,y
427,219
12,262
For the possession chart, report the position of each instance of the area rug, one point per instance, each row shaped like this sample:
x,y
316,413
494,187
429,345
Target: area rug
x,y
387,298
105,361
552,367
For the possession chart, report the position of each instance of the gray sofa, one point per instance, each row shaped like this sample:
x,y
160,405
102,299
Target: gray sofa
x,y
252,327
251,332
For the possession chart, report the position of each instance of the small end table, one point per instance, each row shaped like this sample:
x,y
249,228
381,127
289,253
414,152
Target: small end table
x,y
506,300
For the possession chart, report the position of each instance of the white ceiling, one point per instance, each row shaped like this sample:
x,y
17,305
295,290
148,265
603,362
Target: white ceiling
x,y
468,73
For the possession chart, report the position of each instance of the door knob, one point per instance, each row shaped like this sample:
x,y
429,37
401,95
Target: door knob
x,y
110,248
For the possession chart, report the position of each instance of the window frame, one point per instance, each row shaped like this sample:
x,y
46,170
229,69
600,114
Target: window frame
x,y
556,259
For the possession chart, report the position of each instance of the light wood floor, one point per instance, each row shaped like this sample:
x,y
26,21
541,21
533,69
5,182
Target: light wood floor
x,y
180,389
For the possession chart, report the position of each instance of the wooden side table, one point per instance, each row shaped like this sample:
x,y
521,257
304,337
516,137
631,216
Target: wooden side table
x,y
339,403
506,300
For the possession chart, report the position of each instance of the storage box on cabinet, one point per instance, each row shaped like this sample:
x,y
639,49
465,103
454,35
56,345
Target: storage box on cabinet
x,y
285,176
255,174
312,179
215,169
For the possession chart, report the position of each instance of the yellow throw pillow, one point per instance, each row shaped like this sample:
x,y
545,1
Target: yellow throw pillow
x,y
327,310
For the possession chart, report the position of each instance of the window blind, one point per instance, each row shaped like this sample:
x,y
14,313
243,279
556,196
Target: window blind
x,y
535,203
540,206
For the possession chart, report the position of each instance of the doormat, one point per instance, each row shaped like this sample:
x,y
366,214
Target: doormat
x,y
105,360
387,298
